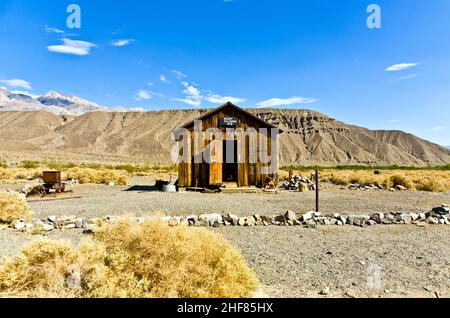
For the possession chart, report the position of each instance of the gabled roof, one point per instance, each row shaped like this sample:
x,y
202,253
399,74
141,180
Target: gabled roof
x,y
229,104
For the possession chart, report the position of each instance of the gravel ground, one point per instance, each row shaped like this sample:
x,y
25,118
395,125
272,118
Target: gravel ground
x,y
104,200
297,262
292,261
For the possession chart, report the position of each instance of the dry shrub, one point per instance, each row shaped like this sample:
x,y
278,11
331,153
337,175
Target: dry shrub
x,y
402,180
97,176
19,173
125,259
423,180
13,206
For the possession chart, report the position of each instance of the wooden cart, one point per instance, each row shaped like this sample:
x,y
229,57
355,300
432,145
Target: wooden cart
x,y
52,181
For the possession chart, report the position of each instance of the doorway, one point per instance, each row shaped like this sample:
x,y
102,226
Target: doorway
x,y
230,161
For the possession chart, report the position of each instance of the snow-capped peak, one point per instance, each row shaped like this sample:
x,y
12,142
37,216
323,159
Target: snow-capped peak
x,y
53,98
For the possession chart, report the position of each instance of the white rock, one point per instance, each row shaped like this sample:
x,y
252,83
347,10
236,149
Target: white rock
x,y
52,218
79,223
69,226
48,227
20,225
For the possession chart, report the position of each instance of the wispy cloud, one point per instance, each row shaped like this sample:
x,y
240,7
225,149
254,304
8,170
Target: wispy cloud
x,y
438,128
122,42
50,29
27,93
179,75
143,95
217,99
163,79
401,67
406,77
17,83
394,121
274,102
80,48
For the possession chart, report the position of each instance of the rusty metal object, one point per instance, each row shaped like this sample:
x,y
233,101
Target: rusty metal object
x,y
52,181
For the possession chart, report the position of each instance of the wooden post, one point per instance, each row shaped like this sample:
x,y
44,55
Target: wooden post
x,y
317,191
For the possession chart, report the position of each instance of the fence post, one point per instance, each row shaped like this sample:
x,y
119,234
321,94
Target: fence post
x,y
317,191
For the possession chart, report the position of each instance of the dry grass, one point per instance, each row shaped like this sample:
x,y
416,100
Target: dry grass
x,y
125,259
13,206
97,176
422,180
19,173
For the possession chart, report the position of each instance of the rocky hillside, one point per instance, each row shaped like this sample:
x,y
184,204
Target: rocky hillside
x,y
309,137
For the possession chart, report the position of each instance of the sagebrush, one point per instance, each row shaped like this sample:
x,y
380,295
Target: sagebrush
x,y
124,259
13,206
97,176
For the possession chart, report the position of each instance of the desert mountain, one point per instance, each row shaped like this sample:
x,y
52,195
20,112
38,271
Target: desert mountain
x,y
309,137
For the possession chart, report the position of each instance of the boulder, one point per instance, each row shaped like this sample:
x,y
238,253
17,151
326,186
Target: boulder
x,y
52,218
19,225
377,217
211,218
174,221
280,218
414,216
241,221
308,216
79,223
441,210
250,221
400,187
48,227
290,216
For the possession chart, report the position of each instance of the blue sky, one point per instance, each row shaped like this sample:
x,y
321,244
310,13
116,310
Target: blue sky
x,y
315,54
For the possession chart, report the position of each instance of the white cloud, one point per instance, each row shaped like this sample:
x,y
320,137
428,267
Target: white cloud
x,y
143,95
179,75
164,79
273,102
410,76
401,67
394,121
150,84
123,42
217,99
17,83
189,101
438,128
50,29
73,47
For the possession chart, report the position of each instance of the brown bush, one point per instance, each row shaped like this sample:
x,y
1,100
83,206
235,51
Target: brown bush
x,y
97,176
13,206
129,260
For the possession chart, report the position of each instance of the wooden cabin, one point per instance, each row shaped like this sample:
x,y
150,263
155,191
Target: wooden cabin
x,y
247,169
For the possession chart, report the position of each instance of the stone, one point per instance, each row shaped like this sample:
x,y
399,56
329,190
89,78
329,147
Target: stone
x,y
290,223
432,220
371,223
297,222
340,223
280,218
20,225
258,219
175,221
359,222
377,217
350,220
336,215
211,218
89,228
441,210
423,216
241,221
325,291
250,221
232,219
308,216
69,226
79,223
311,224
112,184
267,219
192,219
414,216
37,222
400,187
48,227
290,216
386,222
343,219
52,218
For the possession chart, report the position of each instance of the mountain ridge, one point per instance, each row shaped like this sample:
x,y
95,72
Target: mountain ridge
x,y
309,137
